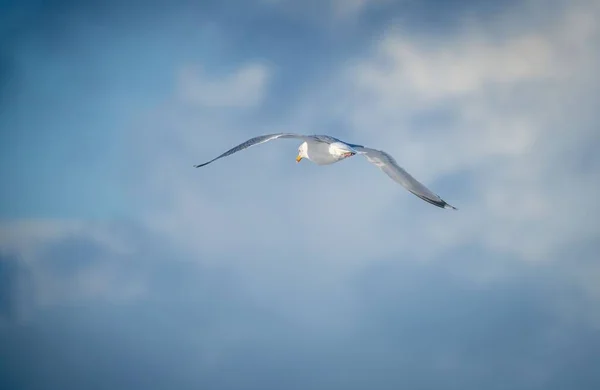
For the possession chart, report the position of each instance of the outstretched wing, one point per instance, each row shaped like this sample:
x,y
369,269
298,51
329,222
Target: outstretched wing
x,y
391,168
261,139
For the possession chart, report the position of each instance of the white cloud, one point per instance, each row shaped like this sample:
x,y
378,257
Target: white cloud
x,y
98,279
245,87
24,236
328,11
507,95
427,74
19,235
509,100
352,8
513,103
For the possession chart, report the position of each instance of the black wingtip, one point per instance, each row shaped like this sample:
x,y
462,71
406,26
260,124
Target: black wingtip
x,y
441,203
448,206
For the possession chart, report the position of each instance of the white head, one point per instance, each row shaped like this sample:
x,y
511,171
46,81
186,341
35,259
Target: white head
x,y
302,152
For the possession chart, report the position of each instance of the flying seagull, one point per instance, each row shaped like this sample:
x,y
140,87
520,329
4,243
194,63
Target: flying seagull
x,y
325,150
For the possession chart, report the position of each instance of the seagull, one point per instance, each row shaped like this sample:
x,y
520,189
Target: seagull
x,y
325,150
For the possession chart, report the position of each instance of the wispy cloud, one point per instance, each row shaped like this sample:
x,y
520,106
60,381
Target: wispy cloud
x,y
504,96
278,271
244,88
335,11
504,104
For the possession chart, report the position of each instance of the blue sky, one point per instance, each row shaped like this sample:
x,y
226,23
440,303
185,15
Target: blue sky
x,y
121,265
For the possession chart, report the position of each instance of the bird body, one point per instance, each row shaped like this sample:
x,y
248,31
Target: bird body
x,y
322,153
326,150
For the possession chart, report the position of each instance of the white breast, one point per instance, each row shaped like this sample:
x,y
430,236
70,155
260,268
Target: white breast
x,y
338,150
321,153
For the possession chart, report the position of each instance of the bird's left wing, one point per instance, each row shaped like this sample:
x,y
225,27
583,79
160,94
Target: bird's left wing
x,y
387,164
261,139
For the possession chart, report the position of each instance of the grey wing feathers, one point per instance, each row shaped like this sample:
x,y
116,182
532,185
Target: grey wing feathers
x,y
325,139
251,142
391,168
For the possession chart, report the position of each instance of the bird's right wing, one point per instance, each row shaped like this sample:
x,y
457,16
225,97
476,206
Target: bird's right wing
x,y
261,139
390,167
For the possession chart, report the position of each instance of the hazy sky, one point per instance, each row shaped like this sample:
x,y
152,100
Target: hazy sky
x,y
122,266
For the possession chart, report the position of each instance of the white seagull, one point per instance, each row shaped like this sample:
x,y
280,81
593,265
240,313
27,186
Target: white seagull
x,y
324,150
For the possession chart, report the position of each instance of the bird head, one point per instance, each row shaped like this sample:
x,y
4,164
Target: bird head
x,y
302,152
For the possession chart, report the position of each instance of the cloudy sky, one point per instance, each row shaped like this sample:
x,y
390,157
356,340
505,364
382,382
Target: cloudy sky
x,y
122,266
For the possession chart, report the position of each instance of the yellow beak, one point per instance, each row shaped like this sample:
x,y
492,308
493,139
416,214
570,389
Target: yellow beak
x,y
298,158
